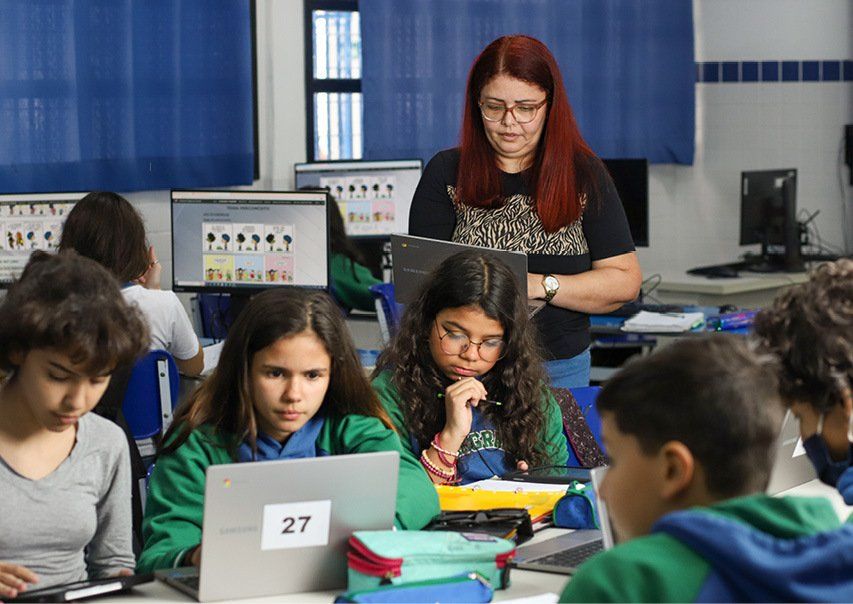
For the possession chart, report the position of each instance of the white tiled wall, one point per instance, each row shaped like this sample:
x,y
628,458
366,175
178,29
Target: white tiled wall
x,y
739,126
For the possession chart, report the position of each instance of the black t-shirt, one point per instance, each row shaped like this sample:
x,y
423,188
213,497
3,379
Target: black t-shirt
x,y
601,232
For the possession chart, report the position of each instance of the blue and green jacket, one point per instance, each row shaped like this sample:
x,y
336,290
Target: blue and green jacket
x,y
748,549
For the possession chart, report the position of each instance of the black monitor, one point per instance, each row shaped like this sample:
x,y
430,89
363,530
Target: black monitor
x,y
768,216
30,221
631,177
240,242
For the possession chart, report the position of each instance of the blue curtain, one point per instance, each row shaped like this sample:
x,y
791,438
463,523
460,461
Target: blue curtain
x,y
627,64
124,95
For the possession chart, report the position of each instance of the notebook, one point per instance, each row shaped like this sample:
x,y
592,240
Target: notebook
x,y
565,553
414,258
281,527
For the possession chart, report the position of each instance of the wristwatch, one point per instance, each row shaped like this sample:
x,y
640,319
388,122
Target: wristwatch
x,y
551,285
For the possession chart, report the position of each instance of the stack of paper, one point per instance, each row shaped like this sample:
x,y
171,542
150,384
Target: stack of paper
x,y
668,322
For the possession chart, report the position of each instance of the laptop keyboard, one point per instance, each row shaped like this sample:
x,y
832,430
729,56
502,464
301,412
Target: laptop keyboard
x,y
570,558
188,581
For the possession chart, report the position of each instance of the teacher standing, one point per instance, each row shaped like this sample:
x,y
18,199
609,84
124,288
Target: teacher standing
x,y
523,179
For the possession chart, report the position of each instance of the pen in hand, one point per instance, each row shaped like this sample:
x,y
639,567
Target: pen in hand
x,y
482,400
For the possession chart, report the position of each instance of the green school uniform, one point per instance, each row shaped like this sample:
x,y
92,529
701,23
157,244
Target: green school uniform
x,y
351,283
175,504
552,434
754,548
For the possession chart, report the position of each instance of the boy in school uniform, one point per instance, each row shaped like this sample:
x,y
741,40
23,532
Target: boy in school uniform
x,y
810,328
691,435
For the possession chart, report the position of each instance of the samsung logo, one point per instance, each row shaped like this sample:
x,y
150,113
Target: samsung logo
x,y
237,530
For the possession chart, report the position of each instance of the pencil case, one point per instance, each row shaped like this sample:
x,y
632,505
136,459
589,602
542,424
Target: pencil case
x,y
576,509
378,558
467,587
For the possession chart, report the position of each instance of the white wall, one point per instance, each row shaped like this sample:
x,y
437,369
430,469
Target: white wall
x,y
739,126
694,210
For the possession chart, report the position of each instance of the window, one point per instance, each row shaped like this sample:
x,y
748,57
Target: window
x,y
333,79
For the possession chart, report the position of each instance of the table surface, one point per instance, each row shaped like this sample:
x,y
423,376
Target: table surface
x,y
682,282
524,583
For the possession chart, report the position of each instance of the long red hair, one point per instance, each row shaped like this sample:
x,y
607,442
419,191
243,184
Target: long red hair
x,y
562,158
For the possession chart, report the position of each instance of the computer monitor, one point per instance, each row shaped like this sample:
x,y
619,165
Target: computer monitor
x,y
631,177
242,241
31,221
374,196
768,216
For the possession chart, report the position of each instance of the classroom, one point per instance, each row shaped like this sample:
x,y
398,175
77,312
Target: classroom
x,y
514,300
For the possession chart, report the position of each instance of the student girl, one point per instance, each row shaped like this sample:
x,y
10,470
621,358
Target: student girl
x,y
463,381
288,385
65,509
104,226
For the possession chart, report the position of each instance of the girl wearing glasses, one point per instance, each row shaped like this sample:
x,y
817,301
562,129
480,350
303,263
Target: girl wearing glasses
x,y
523,179
463,382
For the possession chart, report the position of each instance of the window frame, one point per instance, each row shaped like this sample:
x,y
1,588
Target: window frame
x,y
314,85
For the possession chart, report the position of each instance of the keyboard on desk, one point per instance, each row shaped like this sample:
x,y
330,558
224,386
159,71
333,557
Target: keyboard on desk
x,y
561,554
570,558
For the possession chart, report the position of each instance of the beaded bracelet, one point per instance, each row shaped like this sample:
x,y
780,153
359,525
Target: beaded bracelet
x,y
443,453
435,470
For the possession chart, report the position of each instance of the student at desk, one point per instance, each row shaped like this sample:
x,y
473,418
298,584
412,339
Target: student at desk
x,y
288,385
810,327
690,432
65,509
463,381
104,226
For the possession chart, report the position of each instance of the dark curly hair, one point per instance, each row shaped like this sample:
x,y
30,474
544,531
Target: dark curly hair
x,y
810,328
73,304
472,278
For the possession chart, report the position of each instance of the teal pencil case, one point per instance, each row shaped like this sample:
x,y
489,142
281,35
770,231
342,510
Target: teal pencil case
x,y
468,587
378,558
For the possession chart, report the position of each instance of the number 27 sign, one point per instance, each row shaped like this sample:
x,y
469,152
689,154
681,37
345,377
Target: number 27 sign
x,y
299,524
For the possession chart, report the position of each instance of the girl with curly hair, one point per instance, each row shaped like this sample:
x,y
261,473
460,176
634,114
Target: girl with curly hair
x,y
810,328
463,380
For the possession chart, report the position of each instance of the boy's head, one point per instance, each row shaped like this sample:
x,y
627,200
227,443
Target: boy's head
x,y
694,423
810,328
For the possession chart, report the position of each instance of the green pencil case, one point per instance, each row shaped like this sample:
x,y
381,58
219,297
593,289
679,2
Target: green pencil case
x,y
393,557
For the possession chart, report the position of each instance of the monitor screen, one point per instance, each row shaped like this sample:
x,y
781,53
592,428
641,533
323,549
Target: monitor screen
x,y
374,196
631,177
229,241
763,207
31,221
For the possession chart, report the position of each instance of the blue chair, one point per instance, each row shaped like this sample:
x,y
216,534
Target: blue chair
x,y
150,397
586,401
216,316
581,425
388,311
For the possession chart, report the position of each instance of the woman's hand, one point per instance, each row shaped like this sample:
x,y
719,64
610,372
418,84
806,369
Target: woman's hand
x,y
459,397
522,466
150,279
14,579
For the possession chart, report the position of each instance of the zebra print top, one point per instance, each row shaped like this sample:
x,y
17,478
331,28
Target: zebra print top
x,y
601,232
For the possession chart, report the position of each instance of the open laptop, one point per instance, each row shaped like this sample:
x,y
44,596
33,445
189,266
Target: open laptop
x,y
565,553
792,466
281,527
415,257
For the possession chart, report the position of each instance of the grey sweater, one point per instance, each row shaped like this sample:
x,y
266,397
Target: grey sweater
x,y
74,523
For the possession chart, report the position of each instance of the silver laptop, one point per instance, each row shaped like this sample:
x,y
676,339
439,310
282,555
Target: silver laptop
x,y
792,466
565,553
281,527
415,257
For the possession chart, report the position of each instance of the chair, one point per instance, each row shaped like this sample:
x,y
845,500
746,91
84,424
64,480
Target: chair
x,y
216,315
388,311
581,425
150,397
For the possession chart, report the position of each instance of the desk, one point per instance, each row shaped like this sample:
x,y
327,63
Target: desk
x,y
751,290
524,583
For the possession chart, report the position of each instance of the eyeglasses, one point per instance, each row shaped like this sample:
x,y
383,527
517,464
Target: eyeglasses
x,y
454,342
523,113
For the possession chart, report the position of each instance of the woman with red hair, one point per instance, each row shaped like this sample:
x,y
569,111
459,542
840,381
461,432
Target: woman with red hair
x,y
523,179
